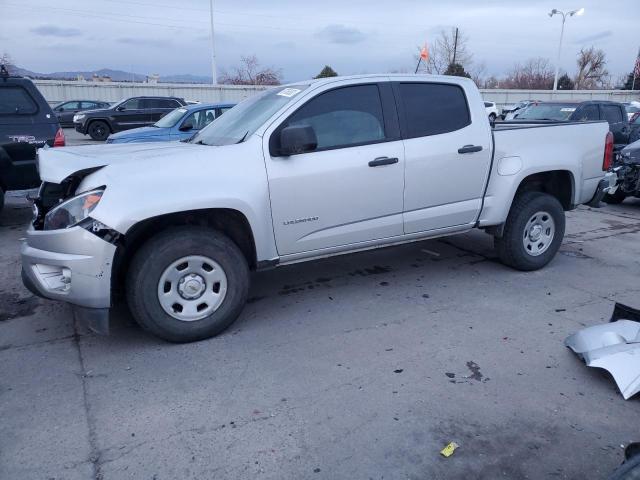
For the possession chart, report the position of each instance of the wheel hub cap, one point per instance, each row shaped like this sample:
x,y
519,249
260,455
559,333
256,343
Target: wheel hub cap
x,y
192,288
539,232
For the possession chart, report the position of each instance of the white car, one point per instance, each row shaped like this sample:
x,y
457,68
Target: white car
x,y
492,110
296,173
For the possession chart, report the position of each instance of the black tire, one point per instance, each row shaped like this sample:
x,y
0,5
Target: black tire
x,y
99,130
510,246
617,197
492,117
155,256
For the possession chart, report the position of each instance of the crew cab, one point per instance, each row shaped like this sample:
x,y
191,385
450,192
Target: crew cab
x,y
130,113
26,123
296,173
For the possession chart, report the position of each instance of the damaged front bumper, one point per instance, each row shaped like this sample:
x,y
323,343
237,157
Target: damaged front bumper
x,y
72,265
614,346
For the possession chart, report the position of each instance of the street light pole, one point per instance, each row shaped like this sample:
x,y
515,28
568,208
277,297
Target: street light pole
x,y
553,12
214,76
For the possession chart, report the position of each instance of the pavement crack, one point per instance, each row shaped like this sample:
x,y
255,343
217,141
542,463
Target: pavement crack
x,y
94,452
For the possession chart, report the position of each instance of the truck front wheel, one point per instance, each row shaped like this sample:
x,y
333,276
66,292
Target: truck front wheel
x,y
187,284
533,231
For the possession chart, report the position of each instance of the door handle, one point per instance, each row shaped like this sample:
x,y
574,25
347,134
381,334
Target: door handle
x,y
382,161
470,149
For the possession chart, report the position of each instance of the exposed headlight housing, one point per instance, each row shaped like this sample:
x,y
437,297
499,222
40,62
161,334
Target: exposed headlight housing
x,y
72,211
79,116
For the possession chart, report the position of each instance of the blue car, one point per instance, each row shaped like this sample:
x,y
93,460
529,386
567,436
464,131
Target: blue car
x,y
179,124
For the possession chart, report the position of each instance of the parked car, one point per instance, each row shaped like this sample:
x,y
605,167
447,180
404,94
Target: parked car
x,y
26,123
179,124
627,164
509,111
66,110
632,108
292,174
492,111
129,113
613,112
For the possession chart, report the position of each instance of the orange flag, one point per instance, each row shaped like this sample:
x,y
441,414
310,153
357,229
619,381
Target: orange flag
x,y
424,52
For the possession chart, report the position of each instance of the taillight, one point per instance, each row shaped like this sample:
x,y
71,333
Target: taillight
x,y
59,141
607,161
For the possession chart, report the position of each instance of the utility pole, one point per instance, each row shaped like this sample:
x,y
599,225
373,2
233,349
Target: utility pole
x,y
214,76
455,47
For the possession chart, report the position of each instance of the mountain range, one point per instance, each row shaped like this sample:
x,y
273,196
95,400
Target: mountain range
x,y
115,75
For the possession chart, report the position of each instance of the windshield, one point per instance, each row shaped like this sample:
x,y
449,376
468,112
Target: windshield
x,y
245,118
171,118
547,111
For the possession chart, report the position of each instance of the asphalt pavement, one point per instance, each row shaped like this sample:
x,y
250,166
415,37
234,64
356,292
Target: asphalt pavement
x,y
354,367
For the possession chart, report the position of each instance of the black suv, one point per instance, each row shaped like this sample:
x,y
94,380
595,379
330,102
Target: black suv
x,y
613,112
130,113
26,123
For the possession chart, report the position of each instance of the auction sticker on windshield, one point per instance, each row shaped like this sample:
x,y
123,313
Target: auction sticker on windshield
x,y
289,92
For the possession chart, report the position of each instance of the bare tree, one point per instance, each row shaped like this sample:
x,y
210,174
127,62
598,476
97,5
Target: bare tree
x,y
441,52
591,72
478,73
492,82
250,72
534,74
7,61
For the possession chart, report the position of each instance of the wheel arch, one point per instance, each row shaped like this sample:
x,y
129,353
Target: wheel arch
x,y
230,222
559,183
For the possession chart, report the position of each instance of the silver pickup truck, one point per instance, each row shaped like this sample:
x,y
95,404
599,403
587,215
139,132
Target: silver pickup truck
x,y
296,173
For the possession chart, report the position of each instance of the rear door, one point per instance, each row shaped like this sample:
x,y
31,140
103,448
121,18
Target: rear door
x,y
159,107
447,155
349,189
616,116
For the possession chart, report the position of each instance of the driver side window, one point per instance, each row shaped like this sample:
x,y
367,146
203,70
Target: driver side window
x,y
133,104
343,117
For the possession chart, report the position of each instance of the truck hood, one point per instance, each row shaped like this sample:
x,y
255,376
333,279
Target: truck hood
x,y
57,164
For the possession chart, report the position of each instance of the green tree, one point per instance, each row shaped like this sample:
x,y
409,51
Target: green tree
x,y
327,71
456,70
565,83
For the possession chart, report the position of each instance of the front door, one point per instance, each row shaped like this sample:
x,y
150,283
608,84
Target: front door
x,y
447,155
131,114
349,189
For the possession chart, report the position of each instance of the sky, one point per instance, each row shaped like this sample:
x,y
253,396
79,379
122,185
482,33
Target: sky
x,y
299,38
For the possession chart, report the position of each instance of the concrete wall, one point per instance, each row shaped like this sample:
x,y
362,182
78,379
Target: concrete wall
x,y
57,91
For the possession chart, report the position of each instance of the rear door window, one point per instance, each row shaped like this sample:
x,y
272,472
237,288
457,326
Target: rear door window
x,y
16,100
433,108
611,113
161,103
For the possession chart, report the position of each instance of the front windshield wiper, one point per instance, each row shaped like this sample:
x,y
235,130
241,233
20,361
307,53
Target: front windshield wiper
x,y
243,137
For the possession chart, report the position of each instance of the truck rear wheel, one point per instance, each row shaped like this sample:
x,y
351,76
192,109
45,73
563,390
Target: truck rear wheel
x,y
99,130
187,284
533,231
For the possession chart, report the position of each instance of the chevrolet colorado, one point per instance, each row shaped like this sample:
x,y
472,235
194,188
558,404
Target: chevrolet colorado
x,y
292,174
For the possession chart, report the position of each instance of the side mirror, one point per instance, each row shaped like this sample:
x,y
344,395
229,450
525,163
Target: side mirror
x,y
121,108
186,126
297,139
